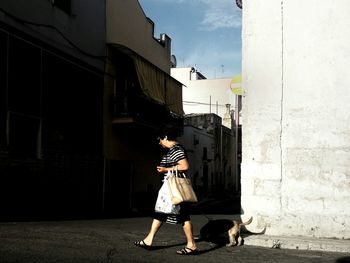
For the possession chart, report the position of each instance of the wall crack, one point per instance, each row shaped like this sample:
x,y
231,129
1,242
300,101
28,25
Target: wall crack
x,y
282,100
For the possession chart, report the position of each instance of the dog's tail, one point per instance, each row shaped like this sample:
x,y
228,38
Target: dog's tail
x,y
247,222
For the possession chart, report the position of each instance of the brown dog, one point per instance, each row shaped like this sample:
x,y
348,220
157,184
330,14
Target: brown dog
x,y
234,233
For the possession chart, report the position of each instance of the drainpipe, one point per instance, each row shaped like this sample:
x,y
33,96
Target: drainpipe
x,y
210,104
236,138
221,158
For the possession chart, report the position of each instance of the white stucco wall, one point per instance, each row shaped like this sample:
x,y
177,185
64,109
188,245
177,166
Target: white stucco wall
x,y
296,128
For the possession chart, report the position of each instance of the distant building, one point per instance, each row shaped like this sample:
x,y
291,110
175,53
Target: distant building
x,y
211,152
210,132
201,95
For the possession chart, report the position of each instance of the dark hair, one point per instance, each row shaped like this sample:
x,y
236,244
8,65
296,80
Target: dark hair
x,y
170,133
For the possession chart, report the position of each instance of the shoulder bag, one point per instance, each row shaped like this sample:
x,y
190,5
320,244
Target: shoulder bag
x,y
180,188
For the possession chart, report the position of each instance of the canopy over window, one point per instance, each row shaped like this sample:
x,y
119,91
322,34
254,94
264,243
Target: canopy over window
x,y
158,85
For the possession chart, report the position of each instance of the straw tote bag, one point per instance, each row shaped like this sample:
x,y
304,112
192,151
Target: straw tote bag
x,y
180,188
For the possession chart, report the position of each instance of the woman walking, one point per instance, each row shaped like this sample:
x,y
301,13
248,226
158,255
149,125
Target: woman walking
x,y
175,158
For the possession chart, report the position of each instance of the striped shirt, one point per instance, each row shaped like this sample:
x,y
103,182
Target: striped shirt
x,y
173,156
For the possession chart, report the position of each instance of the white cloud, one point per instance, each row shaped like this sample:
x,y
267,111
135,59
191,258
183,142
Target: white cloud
x,y
216,13
221,14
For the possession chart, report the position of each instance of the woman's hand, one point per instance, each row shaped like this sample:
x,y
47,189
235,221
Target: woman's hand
x,y
161,169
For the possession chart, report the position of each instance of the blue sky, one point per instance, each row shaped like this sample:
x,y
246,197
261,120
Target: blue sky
x,y
205,33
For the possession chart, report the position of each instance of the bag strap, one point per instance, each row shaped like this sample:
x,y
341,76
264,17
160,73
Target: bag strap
x,y
170,173
176,171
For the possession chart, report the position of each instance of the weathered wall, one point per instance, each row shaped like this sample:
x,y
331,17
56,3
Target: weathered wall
x,y
296,133
52,23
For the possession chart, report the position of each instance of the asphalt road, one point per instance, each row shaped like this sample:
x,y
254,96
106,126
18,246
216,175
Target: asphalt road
x,y
111,240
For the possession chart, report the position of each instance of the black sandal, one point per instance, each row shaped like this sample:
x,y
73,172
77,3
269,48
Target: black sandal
x,y
187,251
142,244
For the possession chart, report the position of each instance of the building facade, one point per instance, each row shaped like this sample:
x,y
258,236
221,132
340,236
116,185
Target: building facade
x,y
295,172
77,105
143,97
51,104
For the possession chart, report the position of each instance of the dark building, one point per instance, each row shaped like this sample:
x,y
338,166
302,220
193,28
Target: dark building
x,y
78,119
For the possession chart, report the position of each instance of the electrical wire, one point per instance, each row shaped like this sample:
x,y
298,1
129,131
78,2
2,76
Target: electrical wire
x,y
22,21
194,103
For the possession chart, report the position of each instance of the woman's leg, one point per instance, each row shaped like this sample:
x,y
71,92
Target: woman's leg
x,y
156,224
188,229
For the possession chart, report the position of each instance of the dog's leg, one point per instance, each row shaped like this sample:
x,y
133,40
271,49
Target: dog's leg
x,y
232,234
231,239
240,240
236,239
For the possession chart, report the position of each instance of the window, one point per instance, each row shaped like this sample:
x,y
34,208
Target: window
x,y
205,153
24,87
64,5
24,135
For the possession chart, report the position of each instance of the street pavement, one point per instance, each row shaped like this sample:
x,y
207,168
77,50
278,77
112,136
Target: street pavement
x,y
111,240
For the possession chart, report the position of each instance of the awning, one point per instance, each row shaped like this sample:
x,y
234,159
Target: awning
x,y
158,85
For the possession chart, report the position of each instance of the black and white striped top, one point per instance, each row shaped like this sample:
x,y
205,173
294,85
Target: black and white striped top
x,y
175,154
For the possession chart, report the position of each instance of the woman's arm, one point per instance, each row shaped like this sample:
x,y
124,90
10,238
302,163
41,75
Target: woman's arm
x,y
182,166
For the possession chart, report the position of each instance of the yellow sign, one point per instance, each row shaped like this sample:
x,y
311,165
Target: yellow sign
x,y
236,85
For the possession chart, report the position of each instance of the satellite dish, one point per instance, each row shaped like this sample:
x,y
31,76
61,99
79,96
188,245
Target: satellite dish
x,y
173,63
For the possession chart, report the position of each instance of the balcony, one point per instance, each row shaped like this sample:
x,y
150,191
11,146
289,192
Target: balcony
x,y
143,95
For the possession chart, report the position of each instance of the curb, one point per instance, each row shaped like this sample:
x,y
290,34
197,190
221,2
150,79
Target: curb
x,y
302,243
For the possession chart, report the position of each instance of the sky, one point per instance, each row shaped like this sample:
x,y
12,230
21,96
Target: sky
x,y
205,34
